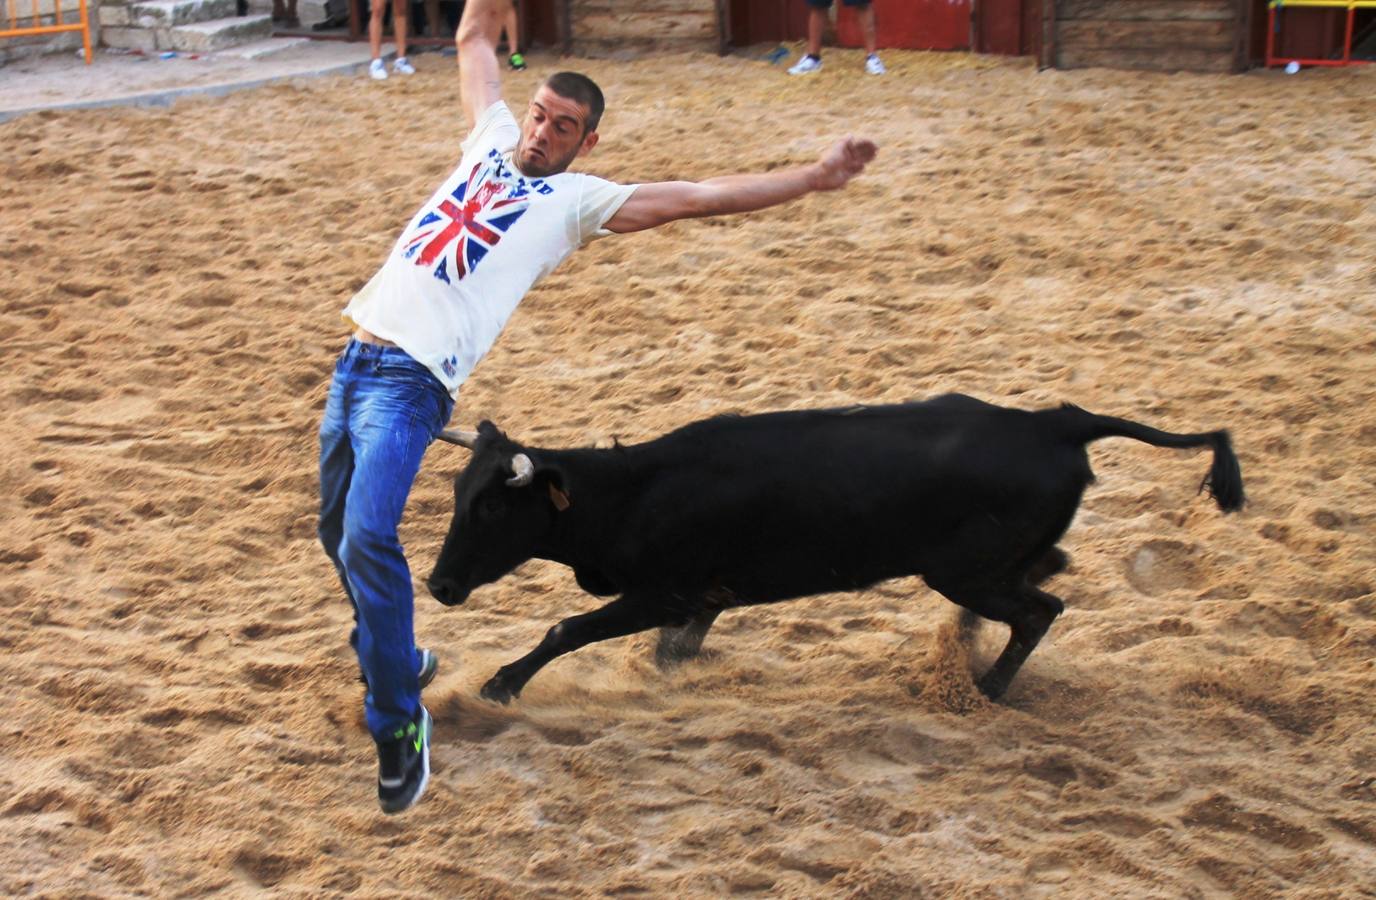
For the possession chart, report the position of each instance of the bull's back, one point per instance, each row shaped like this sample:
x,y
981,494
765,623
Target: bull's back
x,y
786,504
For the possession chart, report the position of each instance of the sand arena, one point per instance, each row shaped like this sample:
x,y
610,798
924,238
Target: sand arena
x,y
1194,252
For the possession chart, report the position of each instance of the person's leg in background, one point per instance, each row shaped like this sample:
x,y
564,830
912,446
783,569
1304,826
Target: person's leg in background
x,y
401,20
376,68
515,59
865,15
284,14
817,19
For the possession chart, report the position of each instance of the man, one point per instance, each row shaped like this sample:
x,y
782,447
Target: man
x,y
817,26
506,217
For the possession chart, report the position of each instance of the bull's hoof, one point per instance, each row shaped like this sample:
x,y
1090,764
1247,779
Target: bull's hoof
x,y
497,691
991,688
668,654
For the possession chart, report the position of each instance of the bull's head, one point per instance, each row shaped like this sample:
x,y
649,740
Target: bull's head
x,y
504,505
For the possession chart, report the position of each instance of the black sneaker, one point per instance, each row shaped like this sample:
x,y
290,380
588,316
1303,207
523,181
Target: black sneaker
x,y
429,664
403,765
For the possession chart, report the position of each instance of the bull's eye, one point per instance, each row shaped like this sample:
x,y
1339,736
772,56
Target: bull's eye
x,y
489,508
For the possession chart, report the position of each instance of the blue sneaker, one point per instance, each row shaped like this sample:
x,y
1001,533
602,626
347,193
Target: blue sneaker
x,y
403,765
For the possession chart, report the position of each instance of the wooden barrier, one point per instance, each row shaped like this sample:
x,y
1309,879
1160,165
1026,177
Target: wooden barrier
x,y
612,27
1160,35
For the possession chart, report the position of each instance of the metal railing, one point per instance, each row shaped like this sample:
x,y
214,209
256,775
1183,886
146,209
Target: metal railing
x,y
38,14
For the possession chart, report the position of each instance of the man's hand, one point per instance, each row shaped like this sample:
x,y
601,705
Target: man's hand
x,y
846,159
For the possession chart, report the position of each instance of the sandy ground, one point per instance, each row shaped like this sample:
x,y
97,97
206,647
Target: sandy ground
x,y
1196,252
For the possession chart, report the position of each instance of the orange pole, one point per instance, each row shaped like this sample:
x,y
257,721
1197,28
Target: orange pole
x,y
1347,37
85,33
46,29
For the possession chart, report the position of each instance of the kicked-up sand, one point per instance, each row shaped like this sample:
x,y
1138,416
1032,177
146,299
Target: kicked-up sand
x,y
182,712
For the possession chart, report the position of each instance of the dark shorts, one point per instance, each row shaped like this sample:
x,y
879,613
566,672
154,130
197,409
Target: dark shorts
x,y
826,4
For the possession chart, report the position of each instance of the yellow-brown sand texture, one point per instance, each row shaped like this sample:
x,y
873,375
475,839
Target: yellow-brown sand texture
x,y
181,711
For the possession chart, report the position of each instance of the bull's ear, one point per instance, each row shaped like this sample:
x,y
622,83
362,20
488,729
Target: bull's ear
x,y
557,487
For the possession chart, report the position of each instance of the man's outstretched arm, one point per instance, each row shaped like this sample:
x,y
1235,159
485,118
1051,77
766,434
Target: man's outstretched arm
x,y
655,204
480,80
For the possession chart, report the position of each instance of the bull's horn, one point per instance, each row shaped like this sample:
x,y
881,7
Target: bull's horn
x,y
524,469
462,438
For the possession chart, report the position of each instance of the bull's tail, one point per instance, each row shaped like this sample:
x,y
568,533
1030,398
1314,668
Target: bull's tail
x,y
1224,480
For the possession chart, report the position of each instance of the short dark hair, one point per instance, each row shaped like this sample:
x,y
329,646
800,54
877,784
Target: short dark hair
x,y
580,89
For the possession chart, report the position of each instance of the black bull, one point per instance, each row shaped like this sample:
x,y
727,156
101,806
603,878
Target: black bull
x,y
739,510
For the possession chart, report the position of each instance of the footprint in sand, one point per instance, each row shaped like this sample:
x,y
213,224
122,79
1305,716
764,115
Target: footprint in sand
x,y
1171,626
1162,565
40,497
1219,812
263,869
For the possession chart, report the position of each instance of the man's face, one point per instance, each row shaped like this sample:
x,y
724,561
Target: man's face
x,y
552,134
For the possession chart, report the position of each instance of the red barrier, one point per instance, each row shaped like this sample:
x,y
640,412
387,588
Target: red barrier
x,y
1273,29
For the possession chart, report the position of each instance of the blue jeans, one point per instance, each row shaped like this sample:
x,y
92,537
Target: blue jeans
x,y
383,410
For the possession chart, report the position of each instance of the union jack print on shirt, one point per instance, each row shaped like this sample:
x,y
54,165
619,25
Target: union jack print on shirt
x,y
455,236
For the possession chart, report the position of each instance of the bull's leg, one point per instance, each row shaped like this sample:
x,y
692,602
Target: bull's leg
x,y
684,642
1028,620
1052,563
1026,610
623,616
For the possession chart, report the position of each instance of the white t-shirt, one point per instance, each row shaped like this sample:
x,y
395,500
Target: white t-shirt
x,y
475,248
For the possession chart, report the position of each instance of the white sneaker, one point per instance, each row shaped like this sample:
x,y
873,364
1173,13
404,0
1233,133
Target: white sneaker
x,y
873,65
806,65
378,70
402,66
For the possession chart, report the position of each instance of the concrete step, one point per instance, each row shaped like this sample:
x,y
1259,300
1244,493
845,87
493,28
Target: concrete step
x,y
311,12
142,39
171,13
113,17
216,34
264,49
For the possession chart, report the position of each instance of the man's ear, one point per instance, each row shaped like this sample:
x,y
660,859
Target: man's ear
x,y
589,141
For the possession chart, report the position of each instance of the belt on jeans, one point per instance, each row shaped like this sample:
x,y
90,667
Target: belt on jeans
x,y
368,337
